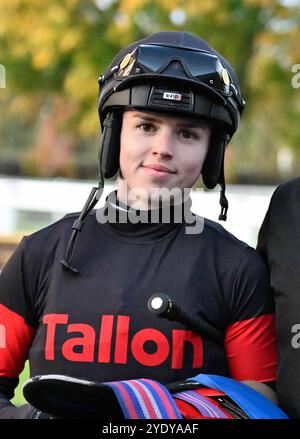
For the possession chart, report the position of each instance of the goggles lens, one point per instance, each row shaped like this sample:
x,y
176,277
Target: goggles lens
x,y
197,65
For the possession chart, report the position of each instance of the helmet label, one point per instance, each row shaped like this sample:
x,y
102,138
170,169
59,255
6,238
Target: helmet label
x,y
171,96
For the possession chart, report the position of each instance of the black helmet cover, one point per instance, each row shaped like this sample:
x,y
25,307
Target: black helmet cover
x,y
174,72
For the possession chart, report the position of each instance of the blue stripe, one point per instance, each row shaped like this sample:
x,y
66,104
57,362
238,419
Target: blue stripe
x,y
120,399
206,400
122,402
160,404
140,398
254,404
153,399
216,409
139,405
203,410
203,406
134,400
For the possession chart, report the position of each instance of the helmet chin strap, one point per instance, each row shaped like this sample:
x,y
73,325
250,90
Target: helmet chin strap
x,y
78,224
223,200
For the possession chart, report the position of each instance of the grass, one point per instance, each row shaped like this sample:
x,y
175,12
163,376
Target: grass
x,y
19,398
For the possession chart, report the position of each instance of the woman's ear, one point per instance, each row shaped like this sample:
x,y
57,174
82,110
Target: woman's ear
x,y
110,144
214,161
120,176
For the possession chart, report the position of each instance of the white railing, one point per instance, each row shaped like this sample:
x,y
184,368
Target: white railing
x,y
23,200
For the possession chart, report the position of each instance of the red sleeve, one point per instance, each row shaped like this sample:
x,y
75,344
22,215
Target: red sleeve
x,y
251,349
15,340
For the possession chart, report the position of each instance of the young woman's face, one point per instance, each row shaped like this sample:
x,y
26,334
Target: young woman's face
x,y
161,151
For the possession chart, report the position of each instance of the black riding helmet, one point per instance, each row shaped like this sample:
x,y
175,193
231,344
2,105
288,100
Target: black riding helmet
x,y
172,72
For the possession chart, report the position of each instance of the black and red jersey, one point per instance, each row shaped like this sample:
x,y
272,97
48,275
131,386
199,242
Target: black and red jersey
x,y
96,325
279,244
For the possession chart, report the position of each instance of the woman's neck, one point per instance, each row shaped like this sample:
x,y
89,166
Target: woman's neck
x,y
158,198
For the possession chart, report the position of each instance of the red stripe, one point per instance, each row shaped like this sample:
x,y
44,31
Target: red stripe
x,y
163,398
251,349
204,391
16,341
188,411
129,405
145,398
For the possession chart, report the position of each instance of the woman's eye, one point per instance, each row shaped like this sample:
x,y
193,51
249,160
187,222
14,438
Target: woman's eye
x,y
186,134
146,127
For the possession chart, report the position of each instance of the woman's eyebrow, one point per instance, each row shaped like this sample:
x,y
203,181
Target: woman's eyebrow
x,y
148,117
186,123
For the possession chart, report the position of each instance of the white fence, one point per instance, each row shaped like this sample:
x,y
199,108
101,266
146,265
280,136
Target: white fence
x,y
29,204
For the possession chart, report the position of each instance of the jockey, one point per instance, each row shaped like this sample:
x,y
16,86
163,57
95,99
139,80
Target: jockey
x,y
73,296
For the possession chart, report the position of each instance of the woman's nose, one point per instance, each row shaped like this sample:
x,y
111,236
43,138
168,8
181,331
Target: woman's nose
x,y
163,144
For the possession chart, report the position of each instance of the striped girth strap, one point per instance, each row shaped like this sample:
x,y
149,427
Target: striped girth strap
x,y
145,399
204,405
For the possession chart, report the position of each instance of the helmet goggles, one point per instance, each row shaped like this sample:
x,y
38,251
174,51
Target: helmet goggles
x,y
198,65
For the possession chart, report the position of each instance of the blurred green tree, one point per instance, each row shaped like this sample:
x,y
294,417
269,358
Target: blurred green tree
x,y
54,52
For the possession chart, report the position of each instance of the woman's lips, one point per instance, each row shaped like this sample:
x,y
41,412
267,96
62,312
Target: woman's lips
x,y
158,170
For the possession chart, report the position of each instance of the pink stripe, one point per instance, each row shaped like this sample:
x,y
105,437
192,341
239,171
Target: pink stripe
x,y
200,405
128,402
166,402
145,398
